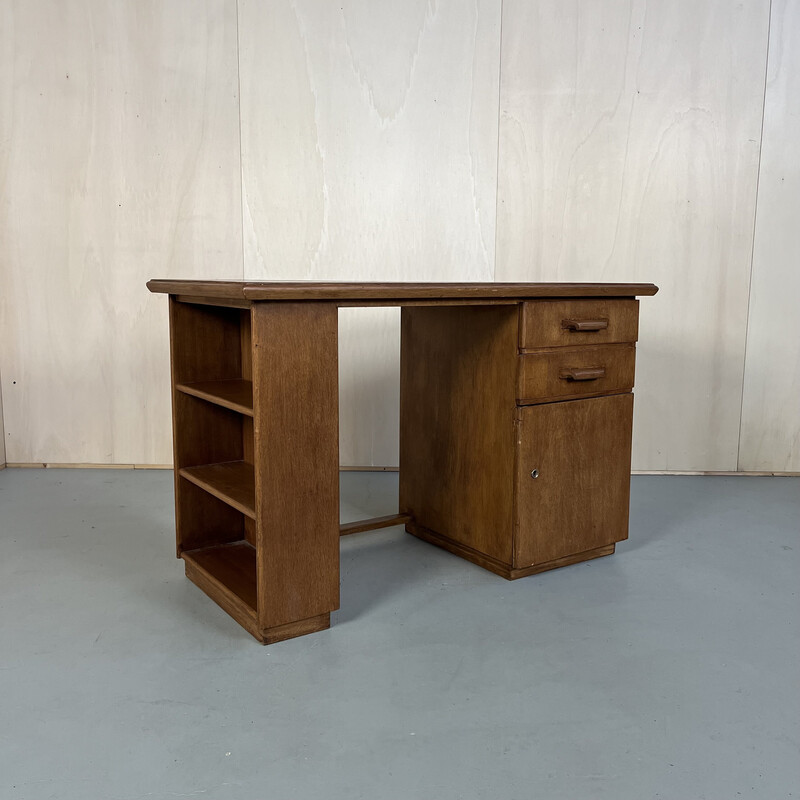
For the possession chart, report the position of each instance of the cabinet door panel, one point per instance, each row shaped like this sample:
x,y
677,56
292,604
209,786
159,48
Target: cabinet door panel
x,y
581,450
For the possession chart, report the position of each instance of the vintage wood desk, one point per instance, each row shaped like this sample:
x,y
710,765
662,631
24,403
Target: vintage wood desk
x,y
515,432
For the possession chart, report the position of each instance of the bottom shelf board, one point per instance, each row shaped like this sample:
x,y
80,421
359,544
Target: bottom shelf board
x,y
231,571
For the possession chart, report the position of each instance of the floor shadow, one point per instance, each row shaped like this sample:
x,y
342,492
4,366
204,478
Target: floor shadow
x,y
378,565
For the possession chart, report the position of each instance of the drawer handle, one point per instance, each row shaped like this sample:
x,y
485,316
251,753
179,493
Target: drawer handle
x,y
584,324
583,373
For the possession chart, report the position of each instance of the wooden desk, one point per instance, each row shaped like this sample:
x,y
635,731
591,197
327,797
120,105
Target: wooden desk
x,y
515,432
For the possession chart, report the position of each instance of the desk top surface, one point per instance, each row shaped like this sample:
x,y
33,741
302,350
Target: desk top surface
x,y
386,292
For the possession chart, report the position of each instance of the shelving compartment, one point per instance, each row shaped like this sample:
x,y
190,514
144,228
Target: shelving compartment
x,y
213,448
215,483
227,573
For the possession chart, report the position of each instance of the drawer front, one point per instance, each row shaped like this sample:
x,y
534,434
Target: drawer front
x,y
567,373
558,323
580,453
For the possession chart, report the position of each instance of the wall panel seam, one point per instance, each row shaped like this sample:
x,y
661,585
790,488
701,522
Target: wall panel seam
x,y
497,149
239,111
753,240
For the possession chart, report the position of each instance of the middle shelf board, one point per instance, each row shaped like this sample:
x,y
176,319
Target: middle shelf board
x,y
235,395
233,482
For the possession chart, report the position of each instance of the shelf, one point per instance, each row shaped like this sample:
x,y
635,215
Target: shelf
x,y
235,395
227,573
232,482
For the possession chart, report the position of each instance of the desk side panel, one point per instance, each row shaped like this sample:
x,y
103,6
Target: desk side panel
x,y
296,428
457,406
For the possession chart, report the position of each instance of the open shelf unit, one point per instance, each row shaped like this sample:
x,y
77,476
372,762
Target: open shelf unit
x,y
215,489
266,557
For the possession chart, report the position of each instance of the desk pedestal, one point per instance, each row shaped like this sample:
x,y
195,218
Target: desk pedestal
x,y
256,441
516,482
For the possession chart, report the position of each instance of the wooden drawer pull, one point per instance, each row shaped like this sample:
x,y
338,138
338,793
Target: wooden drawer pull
x,y
584,324
583,373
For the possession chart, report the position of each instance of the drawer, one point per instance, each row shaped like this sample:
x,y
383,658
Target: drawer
x,y
557,323
567,373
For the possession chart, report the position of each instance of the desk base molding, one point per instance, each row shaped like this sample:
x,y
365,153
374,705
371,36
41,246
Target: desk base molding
x,y
498,567
292,629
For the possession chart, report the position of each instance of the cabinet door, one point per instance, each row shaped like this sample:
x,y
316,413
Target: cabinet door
x,y
580,451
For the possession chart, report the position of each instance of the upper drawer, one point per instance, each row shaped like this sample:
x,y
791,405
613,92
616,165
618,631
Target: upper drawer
x,y
565,373
552,323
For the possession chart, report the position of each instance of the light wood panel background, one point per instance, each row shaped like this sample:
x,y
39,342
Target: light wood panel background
x,y
369,152
770,437
629,143
120,154
2,429
388,140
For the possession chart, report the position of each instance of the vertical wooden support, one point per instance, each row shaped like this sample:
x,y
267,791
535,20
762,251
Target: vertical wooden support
x,y
296,429
248,444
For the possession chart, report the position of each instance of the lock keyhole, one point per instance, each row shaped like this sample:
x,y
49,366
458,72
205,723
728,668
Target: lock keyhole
x,y
535,473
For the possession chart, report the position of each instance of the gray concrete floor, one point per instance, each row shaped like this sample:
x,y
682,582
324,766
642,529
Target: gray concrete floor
x,y
669,670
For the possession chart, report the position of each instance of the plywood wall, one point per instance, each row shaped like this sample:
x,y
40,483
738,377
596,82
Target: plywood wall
x,y
120,161
629,143
384,140
369,152
770,437
2,430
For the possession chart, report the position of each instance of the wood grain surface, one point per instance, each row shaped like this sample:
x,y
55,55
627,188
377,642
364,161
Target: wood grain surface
x,y
205,344
2,428
555,374
233,565
770,432
369,153
373,524
354,291
629,150
544,323
610,142
578,501
296,426
236,395
228,576
457,389
119,145
232,482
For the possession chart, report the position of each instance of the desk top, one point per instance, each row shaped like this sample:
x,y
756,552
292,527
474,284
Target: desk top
x,y
388,292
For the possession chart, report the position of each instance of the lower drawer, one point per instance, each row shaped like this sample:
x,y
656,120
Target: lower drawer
x,y
567,373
